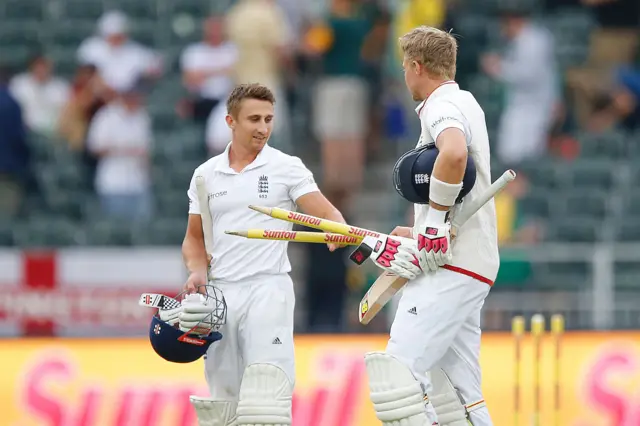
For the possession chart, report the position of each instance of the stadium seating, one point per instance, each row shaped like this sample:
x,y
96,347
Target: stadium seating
x,y
579,201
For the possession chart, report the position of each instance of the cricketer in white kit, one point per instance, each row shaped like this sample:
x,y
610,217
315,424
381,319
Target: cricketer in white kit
x,y
437,325
250,372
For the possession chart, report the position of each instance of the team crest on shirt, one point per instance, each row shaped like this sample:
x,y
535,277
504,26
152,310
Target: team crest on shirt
x,y
263,186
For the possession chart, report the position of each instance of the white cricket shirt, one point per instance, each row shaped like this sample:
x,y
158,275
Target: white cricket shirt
x,y
274,179
204,57
475,249
120,67
116,130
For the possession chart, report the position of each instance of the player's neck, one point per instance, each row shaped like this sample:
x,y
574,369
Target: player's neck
x,y
433,85
240,157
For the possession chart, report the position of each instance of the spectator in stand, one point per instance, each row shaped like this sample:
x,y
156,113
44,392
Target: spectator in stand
x,y
14,151
528,71
120,136
620,107
40,94
261,33
612,45
207,68
79,108
342,94
121,62
78,112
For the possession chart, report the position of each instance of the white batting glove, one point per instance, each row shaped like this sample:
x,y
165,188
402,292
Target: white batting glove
x,y
196,314
394,254
434,246
171,316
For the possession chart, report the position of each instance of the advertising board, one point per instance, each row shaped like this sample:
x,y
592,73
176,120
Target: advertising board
x,y
121,382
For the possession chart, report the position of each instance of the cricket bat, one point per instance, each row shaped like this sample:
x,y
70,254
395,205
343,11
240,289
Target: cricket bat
x,y
388,284
205,214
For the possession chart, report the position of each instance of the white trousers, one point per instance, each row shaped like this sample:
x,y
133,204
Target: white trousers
x,y
259,329
437,325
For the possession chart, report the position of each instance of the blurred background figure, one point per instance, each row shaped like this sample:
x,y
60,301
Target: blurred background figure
x,y
264,52
14,151
41,95
612,44
619,105
351,37
120,137
80,107
207,68
120,61
528,70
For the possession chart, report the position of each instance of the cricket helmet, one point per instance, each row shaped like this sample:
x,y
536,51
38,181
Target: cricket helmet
x,y
175,345
412,173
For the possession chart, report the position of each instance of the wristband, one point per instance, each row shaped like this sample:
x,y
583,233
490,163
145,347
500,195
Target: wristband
x,y
443,193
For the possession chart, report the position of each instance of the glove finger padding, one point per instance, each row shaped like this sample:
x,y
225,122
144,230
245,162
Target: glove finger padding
x,y
429,258
170,316
191,317
434,246
394,254
197,308
196,313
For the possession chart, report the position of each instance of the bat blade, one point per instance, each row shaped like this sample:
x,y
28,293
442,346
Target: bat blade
x,y
378,295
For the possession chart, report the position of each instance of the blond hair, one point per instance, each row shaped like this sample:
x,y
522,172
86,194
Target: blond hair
x,y
435,49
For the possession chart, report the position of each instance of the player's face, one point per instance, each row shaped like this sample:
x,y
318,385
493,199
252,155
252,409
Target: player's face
x,y
254,123
411,77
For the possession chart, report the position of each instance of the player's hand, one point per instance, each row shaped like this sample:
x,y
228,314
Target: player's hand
x,y
403,231
394,254
196,314
335,246
195,282
170,316
434,246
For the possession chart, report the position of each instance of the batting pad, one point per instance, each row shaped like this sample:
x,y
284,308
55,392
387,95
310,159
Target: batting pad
x,y
448,403
214,413
265,396
396,394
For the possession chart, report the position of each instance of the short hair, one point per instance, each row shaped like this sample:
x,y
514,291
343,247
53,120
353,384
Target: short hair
x,y
435,49
248,91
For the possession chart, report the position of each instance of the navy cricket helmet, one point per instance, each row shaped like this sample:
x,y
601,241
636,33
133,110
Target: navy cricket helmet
x,y
175,345
412,173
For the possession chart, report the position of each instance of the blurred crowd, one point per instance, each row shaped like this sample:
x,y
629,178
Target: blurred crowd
x,y
344,55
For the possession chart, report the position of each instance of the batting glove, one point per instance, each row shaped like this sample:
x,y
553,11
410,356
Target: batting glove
x,y
196,316
171,316
394,254
434,246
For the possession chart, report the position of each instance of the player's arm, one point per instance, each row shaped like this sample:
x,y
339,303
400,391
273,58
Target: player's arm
x,y
451,161
305,193
316,204
193,250
194,253
447,126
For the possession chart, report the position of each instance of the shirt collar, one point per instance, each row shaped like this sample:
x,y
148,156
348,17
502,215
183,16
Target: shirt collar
x,y
444,88
224,166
